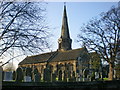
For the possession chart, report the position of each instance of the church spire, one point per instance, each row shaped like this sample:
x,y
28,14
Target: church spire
x,y
64,41
65,29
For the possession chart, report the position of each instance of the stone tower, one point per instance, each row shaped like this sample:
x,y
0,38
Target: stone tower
x,y
64,42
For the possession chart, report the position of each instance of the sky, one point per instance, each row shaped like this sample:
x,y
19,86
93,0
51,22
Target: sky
x,y
77,13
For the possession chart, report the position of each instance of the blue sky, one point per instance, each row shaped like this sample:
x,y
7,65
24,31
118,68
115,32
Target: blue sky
x,y
78,13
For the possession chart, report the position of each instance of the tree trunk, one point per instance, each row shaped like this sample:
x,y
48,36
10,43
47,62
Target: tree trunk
x,y
110,75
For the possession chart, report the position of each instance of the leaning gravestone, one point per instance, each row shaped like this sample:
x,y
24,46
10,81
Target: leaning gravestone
x,y
19,75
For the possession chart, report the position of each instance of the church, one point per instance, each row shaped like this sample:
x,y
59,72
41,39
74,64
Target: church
x,y
65,63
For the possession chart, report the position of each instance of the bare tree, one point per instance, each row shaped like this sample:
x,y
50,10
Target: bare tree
x,y
102,35
22,27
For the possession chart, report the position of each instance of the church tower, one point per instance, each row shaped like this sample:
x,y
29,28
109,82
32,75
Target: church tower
x,y
64,42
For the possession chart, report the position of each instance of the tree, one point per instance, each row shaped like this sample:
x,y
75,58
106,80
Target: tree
x,y
102,36
22,27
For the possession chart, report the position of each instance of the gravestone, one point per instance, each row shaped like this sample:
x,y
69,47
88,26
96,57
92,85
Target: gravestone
x,y
60,75
96,75
19,75
65,76
34,72
28,75
37,77
27,79
85,79
8,76
28,72
80,77
73,77
54,77
14,75
47,75
69,76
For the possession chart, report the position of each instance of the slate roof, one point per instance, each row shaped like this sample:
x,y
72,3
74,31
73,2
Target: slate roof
x,y
53,56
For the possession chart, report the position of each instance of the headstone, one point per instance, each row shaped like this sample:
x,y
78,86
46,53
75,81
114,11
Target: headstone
x,y
96,75
34,72
27,79
28,72
73,77
19,75
80,78
53,77
60,75
85,79
37,77
69,76
14,75
47,75
8,76
65,76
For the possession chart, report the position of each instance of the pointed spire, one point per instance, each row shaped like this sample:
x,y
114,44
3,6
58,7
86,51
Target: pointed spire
x,y
64,41
65,29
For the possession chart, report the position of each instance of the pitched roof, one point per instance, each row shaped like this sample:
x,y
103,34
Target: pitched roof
x,y
68,55
36,58
53,56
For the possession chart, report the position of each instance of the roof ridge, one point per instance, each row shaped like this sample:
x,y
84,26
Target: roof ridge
x,y
72,50
41,54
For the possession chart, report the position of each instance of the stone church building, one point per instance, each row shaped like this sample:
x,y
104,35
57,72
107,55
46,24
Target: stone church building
x,y
64,64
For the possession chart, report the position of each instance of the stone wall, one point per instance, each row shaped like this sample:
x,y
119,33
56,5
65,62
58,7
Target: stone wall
x,y
94,85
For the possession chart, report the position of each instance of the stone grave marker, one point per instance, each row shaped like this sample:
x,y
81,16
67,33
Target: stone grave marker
x,y
47,75
28,72
28,75
8,76
54,77
60,75
27,79
37,77
96,75
19,74
65,76
14,75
